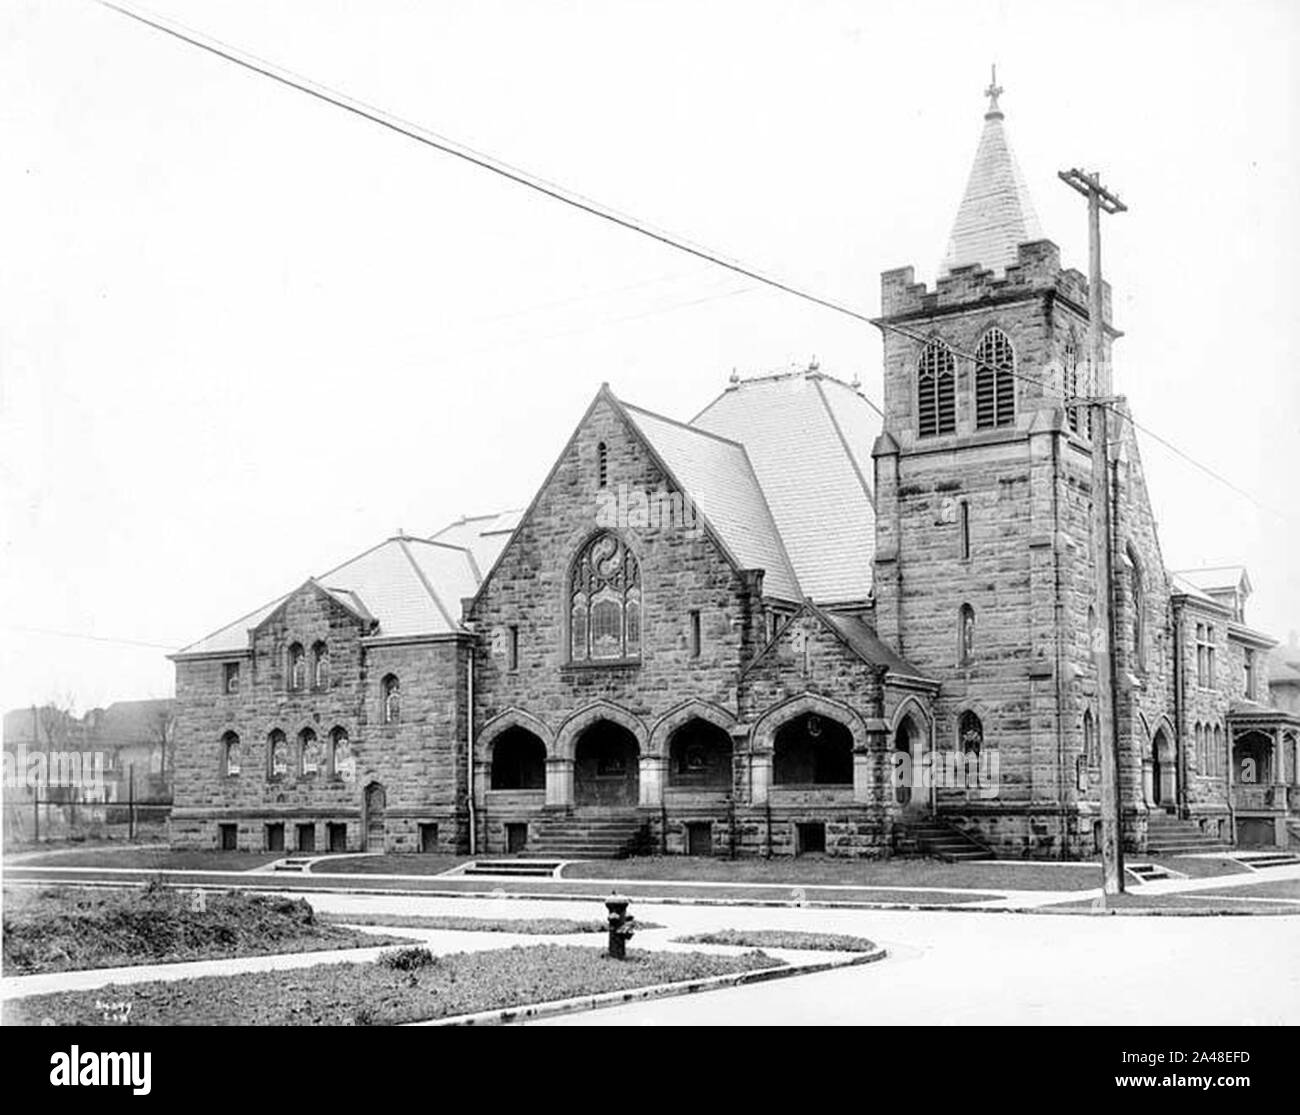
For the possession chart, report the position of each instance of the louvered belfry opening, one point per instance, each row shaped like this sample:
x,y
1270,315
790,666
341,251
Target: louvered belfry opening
x,y
936,391
995,383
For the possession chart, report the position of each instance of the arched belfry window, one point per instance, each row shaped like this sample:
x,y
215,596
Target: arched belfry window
x,y
936,391
1076,385
995,381
970,734
605,601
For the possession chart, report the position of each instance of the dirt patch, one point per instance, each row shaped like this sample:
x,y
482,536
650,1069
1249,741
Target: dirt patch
x,y
60,929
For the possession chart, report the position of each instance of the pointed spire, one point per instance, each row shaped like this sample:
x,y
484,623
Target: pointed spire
x,y
996,213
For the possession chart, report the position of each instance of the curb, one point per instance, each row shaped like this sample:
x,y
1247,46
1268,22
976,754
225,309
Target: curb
x,y
675,900
508,1015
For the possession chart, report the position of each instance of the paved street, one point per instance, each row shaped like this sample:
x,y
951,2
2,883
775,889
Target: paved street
x,y
954,969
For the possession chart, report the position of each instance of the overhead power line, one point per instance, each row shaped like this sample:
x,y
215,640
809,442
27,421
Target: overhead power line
x,y
90,638
420,134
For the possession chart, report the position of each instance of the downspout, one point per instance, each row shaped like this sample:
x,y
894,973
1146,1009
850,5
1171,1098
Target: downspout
x,y
469,746
1056,641
1180,734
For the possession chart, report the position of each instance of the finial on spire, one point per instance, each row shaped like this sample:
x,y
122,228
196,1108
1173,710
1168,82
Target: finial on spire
x,y
993,92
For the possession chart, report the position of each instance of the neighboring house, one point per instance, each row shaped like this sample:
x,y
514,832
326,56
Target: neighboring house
x,y
731,635
128,739
138,741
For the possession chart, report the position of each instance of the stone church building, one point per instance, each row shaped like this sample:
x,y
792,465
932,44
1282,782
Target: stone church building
x,y
792,624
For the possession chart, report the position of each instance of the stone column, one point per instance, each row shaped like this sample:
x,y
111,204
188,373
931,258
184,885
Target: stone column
x,y
559,783
866,787
652,781
482,782
1148,784
762,777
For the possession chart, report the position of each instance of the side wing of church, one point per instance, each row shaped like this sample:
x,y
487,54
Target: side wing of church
x,y
792,625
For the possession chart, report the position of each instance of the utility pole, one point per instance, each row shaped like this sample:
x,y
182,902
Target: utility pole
x,y
1102,637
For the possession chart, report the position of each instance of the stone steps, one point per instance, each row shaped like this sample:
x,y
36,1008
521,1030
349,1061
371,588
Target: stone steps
x,y
1168,835
943,841
582,837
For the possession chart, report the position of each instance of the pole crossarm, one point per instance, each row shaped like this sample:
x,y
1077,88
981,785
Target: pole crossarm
x,y
1087,184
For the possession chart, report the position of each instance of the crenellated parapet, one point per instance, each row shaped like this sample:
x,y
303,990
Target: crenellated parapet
x,y
1037,270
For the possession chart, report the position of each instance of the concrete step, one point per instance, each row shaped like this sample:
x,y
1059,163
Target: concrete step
x,y
514,868
1146,872
1281,859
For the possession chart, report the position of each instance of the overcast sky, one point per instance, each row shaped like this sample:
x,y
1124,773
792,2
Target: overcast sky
x,y
244,335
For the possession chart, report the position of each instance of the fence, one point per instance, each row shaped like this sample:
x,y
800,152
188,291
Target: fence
x,y
42,820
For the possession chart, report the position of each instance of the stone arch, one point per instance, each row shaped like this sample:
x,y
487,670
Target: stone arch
x,y
678,715
909,733
512,718
584,718
1164,774
922,716
765,729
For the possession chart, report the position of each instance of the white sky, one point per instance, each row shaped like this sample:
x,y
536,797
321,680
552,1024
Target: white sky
x,y
245,335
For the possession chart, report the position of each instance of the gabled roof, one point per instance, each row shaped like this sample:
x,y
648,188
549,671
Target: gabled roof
x,y
1181,586
996,214
717,476
857,633
1217,578
809,439
408,586
484,536
857,636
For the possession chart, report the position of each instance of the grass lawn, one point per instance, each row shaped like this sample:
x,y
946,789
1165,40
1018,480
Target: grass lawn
x,y
541,927
780,939
1279,888
409,864
1192,866
58,929
373,994
807,871
161,858
1179,903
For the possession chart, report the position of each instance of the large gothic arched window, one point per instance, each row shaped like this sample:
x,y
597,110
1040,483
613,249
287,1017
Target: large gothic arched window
x,y
936,392
995,381
605,602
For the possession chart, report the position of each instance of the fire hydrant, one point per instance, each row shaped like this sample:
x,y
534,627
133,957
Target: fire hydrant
x,y
620,926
